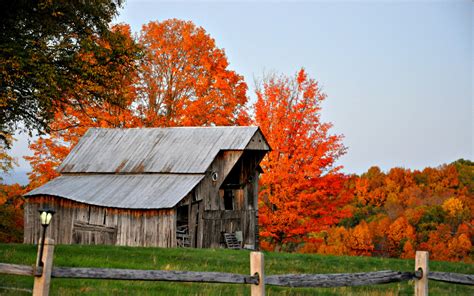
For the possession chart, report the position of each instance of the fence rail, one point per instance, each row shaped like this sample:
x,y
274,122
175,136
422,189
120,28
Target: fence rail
x,y
16,269
153,275
451,277
257,280
339,279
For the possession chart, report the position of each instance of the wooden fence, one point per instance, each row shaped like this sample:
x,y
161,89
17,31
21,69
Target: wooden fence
x,y
257,279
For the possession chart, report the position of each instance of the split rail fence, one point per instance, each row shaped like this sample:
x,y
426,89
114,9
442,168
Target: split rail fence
x,y
257,279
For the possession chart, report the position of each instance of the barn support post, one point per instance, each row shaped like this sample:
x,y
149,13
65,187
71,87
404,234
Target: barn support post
x,y
43,273
421,263
257,267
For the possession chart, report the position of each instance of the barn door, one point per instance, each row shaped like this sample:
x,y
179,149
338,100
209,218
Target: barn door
x,y
194,223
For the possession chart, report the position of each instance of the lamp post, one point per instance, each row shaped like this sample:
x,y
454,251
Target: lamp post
x,y
45,216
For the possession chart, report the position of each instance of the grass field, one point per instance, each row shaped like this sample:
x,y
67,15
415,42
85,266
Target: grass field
x,y
210,260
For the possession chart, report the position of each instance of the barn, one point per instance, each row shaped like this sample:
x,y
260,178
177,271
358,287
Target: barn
x,y
165,187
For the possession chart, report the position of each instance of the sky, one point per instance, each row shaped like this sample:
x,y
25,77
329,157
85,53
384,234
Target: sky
x,y
398,75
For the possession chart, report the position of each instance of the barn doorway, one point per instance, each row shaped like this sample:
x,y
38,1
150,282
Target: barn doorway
x,y
182,226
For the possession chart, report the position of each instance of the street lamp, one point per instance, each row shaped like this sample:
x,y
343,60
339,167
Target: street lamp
x,y
45,217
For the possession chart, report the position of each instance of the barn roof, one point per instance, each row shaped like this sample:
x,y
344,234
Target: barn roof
x,y
155,150
154,191
146,168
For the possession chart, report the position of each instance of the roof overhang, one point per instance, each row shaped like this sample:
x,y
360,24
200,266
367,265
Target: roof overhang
x,y
130,191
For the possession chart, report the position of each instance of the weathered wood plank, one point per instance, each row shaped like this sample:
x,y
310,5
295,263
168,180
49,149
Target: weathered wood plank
x,y
257,269
451,277
16,269
338,279
82,226
42,280
152,275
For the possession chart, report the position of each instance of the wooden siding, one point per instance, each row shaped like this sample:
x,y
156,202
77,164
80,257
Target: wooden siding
x,y
77,223
239,169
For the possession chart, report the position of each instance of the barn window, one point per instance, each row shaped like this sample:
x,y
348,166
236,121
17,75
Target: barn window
x,y
228,199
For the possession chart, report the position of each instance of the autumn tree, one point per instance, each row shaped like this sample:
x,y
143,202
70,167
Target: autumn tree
x,y
11,213
46,52
301,190
359,241
185,78
335,242
73,120
7,162
183,74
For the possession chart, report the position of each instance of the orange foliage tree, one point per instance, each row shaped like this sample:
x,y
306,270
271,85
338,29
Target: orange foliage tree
x,y
184,78
11,213
71,120
334,242
301,190
359,241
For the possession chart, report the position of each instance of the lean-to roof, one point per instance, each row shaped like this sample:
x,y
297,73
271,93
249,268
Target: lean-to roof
x,y
154,191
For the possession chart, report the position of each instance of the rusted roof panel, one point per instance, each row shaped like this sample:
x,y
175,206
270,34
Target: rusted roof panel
x,y
156,191
154,150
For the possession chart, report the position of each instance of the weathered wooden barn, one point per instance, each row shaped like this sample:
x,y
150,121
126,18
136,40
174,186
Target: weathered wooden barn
x,y
154,187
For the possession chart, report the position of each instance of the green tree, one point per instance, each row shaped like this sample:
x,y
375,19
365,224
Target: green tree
x,y
55,54
465,170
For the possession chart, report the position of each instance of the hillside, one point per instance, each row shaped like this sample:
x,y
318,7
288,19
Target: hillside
x,y
211,260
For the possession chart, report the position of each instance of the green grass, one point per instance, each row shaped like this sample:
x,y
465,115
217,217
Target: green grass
x,y
210,260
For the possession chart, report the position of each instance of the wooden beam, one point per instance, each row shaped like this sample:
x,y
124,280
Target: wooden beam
x,y
257,268
338,279
421,262
42,283
152,275
16,269
451,277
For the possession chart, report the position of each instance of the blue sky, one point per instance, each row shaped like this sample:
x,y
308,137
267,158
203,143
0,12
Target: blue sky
x,y
398,75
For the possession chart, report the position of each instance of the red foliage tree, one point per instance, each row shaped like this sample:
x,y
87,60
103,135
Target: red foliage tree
x,y
301,190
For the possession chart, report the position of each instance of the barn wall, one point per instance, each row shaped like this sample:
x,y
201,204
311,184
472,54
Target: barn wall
x,y
77,223
213,219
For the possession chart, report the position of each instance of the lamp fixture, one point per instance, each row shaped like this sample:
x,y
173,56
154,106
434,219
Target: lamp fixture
x,y
46,215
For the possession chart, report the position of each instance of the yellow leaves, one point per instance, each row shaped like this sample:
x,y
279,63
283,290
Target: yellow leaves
x,y
359,240
453,207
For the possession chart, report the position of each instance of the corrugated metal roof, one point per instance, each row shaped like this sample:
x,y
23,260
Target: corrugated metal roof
x,y
155,191
153,150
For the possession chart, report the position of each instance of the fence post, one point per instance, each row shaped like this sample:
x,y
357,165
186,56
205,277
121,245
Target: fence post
x,y
257,266
421,261
42,283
